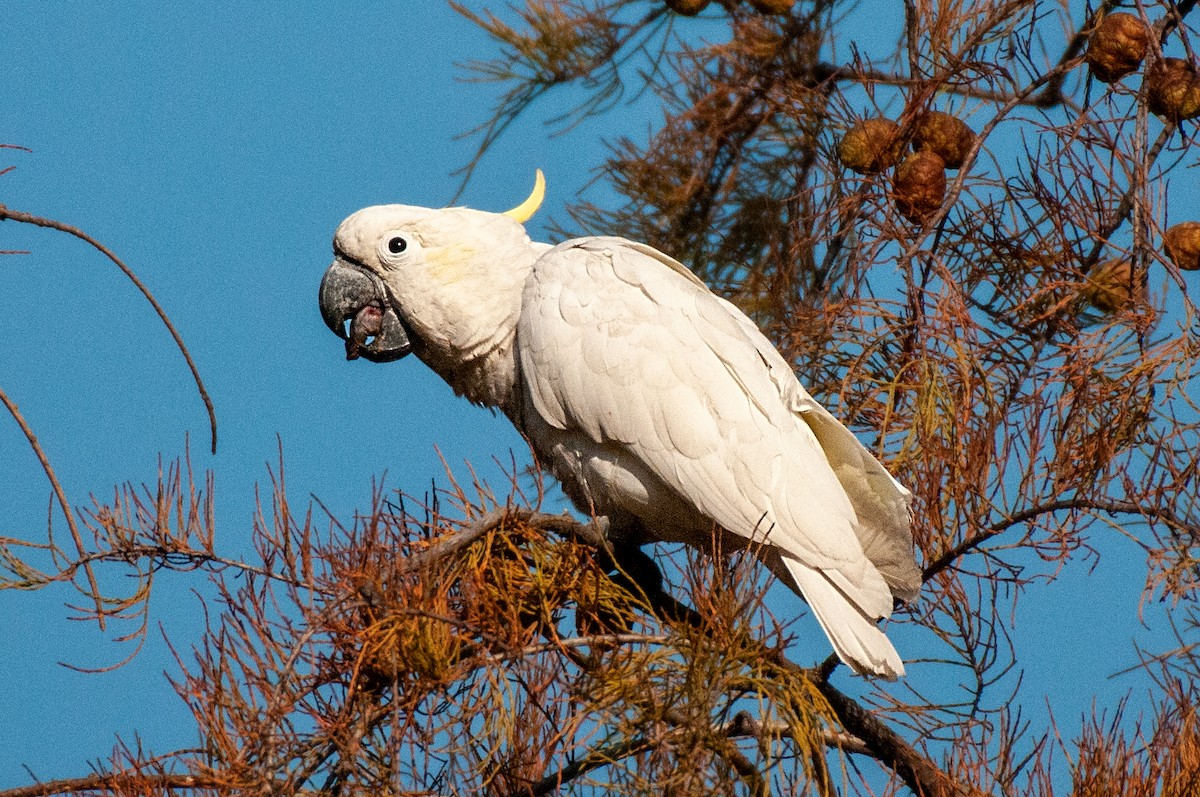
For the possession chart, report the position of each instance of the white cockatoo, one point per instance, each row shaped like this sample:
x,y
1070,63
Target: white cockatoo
x,y
659,405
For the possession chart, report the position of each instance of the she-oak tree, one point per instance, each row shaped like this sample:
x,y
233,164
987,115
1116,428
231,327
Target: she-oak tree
x,y
965,243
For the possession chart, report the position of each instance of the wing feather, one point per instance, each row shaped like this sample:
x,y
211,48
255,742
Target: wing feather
x,y
624,344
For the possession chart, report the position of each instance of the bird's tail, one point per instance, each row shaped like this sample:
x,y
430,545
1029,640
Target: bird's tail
x,y
856,638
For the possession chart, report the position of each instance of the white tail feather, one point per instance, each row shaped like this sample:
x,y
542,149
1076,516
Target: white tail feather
x,y
855,637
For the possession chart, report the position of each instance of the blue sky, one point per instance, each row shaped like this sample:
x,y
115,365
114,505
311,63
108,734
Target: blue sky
x,y
215,150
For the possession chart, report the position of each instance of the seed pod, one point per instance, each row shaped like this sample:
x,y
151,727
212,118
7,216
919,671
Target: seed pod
x,y
772,6
1172,90
871,146
1182,242
1117,46
946,136
688,8
1111,287
919,185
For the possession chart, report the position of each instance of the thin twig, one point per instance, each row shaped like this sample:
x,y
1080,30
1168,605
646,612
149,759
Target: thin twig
x,y
190,559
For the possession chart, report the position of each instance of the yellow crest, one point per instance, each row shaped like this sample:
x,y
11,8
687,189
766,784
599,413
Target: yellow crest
x,y
524,211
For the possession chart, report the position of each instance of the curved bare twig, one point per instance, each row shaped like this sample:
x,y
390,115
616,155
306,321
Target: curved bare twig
x,y
29,218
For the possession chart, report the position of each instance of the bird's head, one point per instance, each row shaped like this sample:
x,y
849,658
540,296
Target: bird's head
x,y
445,284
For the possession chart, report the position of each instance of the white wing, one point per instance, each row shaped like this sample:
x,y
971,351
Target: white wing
x,y
624,345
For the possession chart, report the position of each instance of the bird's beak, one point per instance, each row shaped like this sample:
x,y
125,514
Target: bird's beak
x,y
352,294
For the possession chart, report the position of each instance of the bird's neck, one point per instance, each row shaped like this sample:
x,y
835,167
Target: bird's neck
x,y
486,377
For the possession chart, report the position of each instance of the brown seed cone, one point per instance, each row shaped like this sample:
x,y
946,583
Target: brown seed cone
x,y
871,146
1117,46
1112,286
772,6
689,8
1172,89
946,136
1182,242
919,185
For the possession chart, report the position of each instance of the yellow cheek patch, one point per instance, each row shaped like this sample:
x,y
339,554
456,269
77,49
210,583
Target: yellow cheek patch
x,y
448,264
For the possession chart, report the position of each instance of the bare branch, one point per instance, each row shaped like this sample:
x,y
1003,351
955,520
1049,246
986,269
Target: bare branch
x,y
27,218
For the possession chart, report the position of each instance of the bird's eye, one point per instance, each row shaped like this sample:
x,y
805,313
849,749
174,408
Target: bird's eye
x,y
397,245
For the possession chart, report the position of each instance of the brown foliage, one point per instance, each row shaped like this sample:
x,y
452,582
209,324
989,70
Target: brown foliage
x,y
416,654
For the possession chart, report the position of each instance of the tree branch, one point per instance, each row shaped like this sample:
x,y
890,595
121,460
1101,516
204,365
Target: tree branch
x,y
564,525
116,782
869,735
609,754
917,771
1026,515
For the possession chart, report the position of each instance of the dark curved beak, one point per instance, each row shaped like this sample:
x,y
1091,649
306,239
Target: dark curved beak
x,y
352,294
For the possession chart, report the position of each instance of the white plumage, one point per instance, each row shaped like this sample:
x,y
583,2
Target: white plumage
x,y
658,404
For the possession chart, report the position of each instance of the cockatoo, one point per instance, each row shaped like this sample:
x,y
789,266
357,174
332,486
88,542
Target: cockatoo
x,y
659,405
